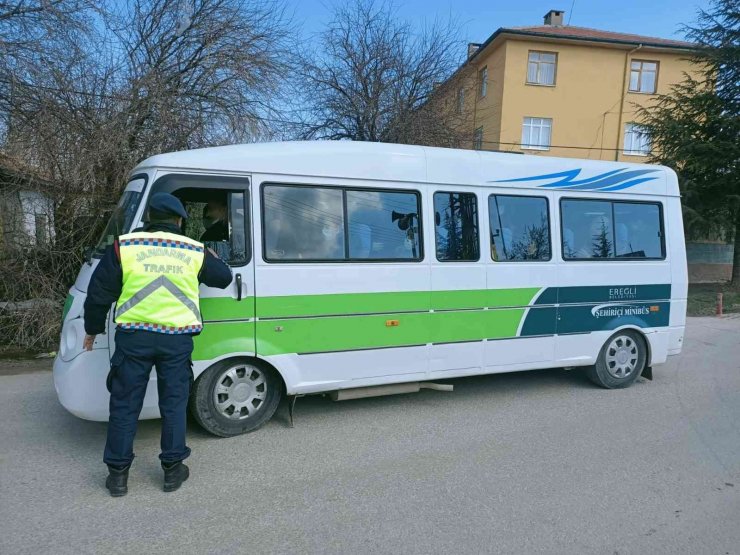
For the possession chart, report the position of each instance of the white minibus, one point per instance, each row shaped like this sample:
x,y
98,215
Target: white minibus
x,y
364,268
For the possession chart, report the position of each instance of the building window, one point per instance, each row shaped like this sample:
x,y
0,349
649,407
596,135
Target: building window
x,y
483,78
636,140
541,68
536,133
595,229
456,227
643,76
478,138
520,228
320,224
460,100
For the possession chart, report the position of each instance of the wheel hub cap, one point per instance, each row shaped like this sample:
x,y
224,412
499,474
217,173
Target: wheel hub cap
x,y
622,355
240,391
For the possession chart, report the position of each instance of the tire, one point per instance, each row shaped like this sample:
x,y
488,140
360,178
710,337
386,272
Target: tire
x,y
621,360
235,396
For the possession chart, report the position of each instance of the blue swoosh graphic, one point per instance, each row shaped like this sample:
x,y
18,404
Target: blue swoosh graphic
x,y
628,184
613,180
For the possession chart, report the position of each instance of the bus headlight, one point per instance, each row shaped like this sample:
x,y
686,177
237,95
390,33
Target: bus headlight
x,y
70,344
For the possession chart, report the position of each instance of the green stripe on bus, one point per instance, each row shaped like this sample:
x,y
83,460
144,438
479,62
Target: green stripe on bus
x,y
345,303
67,305
338,322
355,321
290,306
223,338
344,333
480,298
226,308
387,302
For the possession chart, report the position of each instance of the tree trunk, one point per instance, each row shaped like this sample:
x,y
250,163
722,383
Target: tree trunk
x,y
736,254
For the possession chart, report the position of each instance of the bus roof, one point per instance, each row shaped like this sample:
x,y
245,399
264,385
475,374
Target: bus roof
x,y
420,164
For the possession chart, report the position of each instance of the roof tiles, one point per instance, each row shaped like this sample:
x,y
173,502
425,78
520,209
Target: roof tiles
x,y
585,33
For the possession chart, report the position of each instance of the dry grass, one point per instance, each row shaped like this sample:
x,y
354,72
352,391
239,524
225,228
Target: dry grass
x,y
703,298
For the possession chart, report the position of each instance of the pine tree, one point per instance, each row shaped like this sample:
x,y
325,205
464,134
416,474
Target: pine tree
x,y
695,129
602,245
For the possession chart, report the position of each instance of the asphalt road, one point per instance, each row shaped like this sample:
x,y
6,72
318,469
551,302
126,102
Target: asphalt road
x,y
537,462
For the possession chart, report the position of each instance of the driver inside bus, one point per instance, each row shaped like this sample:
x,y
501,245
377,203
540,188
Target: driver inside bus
x,y
215,220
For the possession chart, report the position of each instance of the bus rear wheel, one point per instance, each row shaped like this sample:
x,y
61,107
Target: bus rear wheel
x,y
621,360
235,396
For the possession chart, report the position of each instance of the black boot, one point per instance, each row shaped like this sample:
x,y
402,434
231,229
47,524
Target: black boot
x,y
174,475
117,481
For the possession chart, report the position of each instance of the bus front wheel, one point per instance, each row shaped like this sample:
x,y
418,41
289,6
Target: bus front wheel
x,y
621,360
235,396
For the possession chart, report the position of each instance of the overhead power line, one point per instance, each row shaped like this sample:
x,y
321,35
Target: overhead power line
x,y
554,146
296,123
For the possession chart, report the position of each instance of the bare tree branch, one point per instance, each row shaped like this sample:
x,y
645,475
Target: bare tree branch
x,y
374,75
87,90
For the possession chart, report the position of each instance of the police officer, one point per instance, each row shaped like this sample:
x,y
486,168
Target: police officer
x,y
152,276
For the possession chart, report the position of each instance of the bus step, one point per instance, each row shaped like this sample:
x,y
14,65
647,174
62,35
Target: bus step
x,y
391,389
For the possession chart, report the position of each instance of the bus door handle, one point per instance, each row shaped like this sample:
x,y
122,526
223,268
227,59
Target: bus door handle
x,y
238,287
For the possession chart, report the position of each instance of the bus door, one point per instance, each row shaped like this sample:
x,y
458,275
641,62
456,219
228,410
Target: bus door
x,y
522,296
458,282
219,217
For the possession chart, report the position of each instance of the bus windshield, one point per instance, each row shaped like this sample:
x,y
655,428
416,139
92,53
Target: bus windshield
x,y
121,218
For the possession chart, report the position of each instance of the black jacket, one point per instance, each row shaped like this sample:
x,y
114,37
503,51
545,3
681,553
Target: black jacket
x,y
107,281
217,232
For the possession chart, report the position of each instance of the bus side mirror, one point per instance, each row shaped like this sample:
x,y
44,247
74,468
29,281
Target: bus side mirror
x,y
437,219
88,255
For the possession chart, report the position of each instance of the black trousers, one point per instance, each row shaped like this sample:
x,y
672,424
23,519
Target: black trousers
x,y
136,353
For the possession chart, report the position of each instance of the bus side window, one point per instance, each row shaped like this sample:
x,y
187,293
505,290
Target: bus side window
x,y
303,223
520,228
607,229
569,238
328,224
225,227
456,226
218,218
238,225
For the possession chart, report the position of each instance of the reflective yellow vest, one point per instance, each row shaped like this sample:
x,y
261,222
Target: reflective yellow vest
x,y
160,283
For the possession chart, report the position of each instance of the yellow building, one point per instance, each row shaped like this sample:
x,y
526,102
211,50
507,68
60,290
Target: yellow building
x,y
563,91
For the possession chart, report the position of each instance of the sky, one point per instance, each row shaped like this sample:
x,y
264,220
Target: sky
x,y
478,19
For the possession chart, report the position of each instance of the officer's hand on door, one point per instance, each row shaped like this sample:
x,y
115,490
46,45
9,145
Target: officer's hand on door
x,y
87,344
